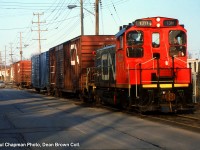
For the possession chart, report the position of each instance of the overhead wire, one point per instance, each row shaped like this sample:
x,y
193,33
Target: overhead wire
x,y
57,24
67,31
116,12
56,16
46,11
112,16
28,36
63,37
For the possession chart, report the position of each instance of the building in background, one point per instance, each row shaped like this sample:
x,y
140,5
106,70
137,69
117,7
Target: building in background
x,y
5,73
194,64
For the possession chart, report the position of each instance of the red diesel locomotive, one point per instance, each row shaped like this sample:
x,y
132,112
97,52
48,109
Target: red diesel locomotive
x,y
146,69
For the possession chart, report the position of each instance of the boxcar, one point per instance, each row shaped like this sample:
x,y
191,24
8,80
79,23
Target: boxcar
x,y
40,71
22,73
69,60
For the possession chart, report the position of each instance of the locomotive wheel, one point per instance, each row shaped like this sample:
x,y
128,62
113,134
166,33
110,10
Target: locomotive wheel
x,y
125,104
145,104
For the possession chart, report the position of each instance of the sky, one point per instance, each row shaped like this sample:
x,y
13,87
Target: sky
x,y
60,24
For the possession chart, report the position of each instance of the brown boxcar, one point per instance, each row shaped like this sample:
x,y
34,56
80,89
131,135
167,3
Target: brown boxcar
x,y
69,60
22,73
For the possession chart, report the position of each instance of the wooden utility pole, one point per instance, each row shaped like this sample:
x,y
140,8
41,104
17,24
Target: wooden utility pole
x,y
5,65
97,17
11,66
82,23
20,46
11,53
39,30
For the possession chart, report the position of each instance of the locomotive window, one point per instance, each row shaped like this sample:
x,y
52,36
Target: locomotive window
x,y
179,51
177,37
155,40
134,52
134,38
177,41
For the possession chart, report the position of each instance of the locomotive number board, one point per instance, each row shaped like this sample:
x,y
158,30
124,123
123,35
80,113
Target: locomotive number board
x,y
149,23
143,23
170,22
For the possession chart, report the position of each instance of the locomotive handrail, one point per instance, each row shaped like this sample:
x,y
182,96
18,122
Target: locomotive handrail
x,y
153,68
129,83
180,59
167,52
149,60
136,90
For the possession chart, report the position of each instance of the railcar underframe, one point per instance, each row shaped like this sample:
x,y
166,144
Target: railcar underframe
x,y
150,99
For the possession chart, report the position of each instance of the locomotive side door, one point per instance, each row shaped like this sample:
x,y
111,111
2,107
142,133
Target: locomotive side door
x,y
159,52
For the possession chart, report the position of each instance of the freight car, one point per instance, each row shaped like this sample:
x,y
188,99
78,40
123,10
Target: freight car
x,y
40,71
22,73
69,60
67,63
146,69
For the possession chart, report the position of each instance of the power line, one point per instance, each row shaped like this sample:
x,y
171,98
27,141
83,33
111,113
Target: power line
x,y
28,27
43,6
56,18
116,11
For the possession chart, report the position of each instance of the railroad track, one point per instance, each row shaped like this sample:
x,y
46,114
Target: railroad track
x,y
190,123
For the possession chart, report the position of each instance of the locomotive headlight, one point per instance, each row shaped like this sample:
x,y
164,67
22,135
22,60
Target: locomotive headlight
x,y
158,19
158,25
166,63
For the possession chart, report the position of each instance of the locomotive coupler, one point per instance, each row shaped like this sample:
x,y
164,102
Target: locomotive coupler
x,y
168,96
